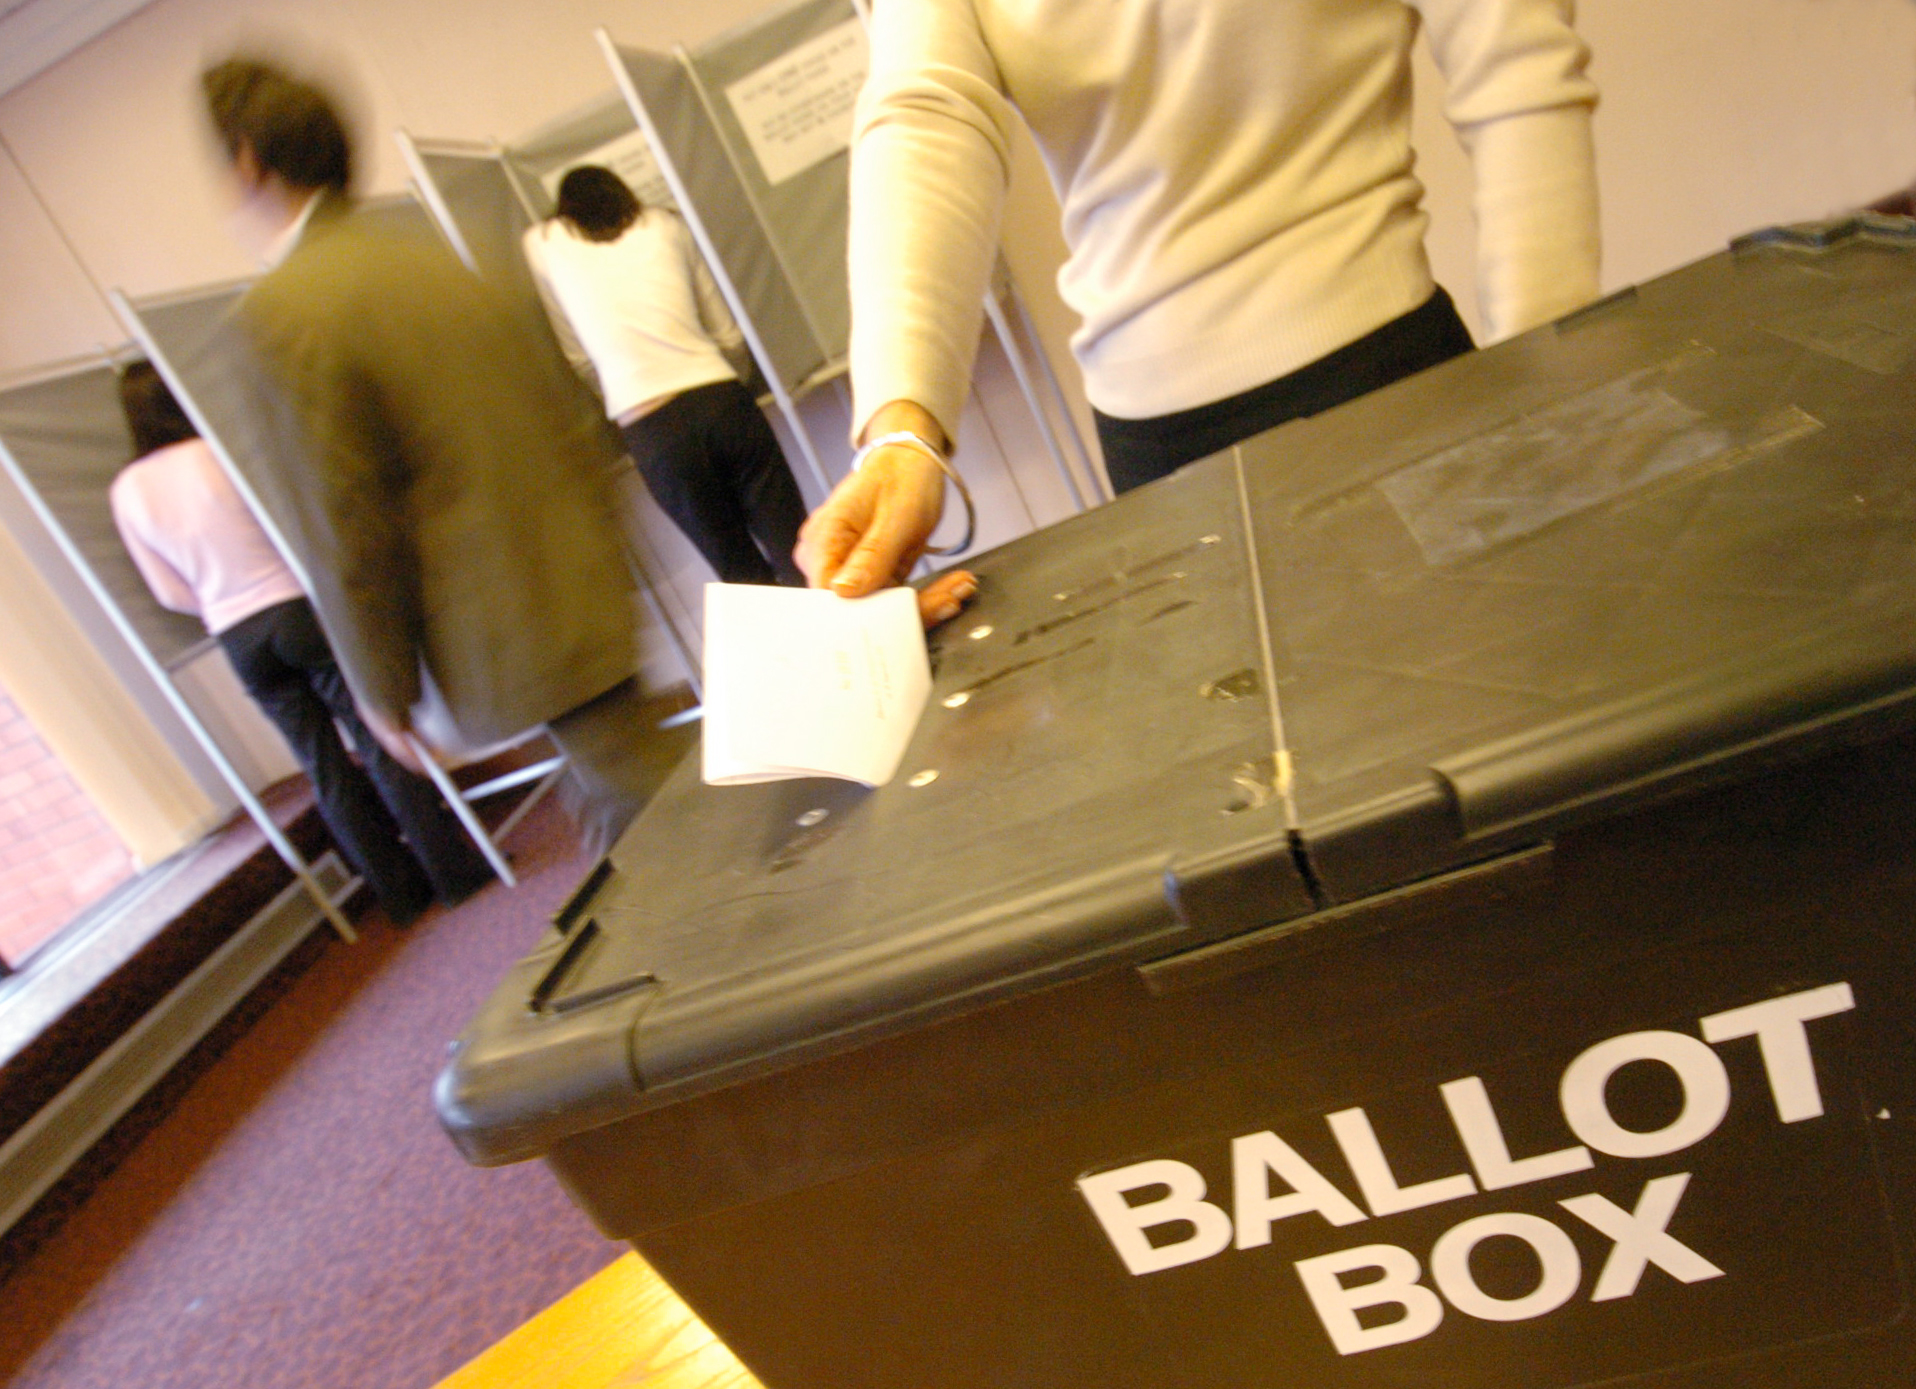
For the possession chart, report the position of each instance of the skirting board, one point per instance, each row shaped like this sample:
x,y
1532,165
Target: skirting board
x,y
42,1151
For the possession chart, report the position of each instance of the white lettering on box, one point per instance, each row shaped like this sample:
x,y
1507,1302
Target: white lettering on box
x,y
1183,1200
1562,1268
1777,1025
1706,1093
1337,1305
1372,1170
1483,1138
1255,1157
1642,1238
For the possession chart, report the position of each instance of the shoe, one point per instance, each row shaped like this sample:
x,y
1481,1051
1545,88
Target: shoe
x,y
467,889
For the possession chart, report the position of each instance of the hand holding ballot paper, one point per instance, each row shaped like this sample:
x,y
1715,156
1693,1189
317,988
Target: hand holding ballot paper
x,y
802,682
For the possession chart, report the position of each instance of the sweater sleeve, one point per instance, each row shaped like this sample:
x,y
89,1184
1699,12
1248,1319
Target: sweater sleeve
x,y
1521,105
930,160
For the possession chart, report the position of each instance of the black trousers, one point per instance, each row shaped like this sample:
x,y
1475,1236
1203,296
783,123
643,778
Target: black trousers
x,y
1141,451
281,657
714,466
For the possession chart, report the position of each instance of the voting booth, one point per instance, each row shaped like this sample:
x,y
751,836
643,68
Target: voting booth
x,y
484,197
746,138
194,340
63,439
1423,898
751,132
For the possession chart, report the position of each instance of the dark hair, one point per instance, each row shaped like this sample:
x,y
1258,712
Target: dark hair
x,y
291,126
596,204
152,415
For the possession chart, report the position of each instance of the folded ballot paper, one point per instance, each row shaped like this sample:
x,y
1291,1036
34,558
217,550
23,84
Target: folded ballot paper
x,y
800,682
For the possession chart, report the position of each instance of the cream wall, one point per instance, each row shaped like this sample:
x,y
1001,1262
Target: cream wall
x,y
51,312
1718,116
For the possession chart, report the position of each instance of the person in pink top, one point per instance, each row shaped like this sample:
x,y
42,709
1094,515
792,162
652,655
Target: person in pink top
x,y
201,551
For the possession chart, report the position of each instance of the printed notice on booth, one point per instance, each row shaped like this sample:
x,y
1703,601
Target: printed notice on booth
x,y
797,110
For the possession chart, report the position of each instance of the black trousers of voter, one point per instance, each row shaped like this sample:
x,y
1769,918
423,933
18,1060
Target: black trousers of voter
x,y
282,658
714,466
1141,451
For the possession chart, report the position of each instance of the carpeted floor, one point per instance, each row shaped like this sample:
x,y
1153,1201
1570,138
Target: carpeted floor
x,y
298,1219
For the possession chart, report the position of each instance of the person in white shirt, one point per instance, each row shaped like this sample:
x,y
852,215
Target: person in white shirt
x,y
1239,203
625,282
201,551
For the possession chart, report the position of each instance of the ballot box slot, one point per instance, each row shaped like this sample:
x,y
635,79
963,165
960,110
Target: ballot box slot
x,y
958,698
587,938
568,914
1137,569
1071,615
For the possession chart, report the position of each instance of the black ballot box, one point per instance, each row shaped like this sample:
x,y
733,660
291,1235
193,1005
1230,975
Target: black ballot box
x,y
1426,898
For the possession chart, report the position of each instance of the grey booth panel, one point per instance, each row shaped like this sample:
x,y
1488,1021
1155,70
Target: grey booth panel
x,y
716,195
201,346
485,207
567,141
69,437
804,217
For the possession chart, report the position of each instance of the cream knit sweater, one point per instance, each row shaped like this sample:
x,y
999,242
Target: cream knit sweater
x,y
643,308
1236,180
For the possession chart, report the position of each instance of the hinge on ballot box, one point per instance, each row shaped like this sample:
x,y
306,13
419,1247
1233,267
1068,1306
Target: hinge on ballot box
x,y
1466,890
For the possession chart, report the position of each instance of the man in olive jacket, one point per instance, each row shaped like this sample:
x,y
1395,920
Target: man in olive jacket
x,y
450,486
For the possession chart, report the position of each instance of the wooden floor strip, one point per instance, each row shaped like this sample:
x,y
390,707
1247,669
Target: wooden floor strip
x,y
623,1328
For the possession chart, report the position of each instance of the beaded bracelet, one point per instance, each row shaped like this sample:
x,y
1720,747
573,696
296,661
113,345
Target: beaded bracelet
x,y
904,438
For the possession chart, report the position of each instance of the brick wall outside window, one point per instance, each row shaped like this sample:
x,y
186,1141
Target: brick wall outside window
x,y
57,854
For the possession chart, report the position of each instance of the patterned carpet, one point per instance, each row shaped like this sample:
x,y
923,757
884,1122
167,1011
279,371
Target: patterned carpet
x,y
298,1219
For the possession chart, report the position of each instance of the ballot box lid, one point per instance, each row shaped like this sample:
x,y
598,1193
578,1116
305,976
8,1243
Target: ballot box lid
x,y
1658,545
